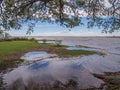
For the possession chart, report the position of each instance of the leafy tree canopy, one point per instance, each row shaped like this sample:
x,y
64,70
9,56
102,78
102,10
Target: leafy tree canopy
x,y
102,13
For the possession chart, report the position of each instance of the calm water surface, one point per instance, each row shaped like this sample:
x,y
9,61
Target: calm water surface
x,y
79,69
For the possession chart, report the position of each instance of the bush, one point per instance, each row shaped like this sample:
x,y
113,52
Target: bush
x,y
58,42
16,39
19,38
5,39
44,41
32,39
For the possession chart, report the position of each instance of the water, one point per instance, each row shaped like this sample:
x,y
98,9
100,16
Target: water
x,y
80,69
36,55
104,43
54,70
47,42
81,48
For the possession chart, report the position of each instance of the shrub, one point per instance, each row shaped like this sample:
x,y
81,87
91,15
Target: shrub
x,y
14,39
44,41
58,42
32,39
19,38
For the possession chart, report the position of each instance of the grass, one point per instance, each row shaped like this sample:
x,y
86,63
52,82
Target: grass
x,y
111,79
73,53
15,46
6,47
11,51
15,49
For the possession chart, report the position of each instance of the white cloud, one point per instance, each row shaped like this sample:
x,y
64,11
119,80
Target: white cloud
x,y
107,4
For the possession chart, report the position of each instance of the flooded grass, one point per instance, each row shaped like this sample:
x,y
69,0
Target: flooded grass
x,y
111,79
73,53
11,51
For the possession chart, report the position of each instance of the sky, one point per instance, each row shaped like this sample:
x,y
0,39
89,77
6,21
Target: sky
x,y
46,29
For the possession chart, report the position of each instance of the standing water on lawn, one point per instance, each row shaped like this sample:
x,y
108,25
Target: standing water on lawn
x,y
62,73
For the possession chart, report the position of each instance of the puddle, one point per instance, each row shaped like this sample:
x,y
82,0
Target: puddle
x,y
51,70
37,55
51,42
38,65
80,48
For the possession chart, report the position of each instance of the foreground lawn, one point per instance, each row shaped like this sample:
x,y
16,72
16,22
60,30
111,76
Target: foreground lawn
x,y
13,46
11,51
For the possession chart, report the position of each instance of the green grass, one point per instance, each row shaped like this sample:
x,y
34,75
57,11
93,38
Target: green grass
x,y
14,49
73,53
11,51
13,46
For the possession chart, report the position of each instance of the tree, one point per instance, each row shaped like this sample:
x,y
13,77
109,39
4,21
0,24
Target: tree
x,y
4,34
69,13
